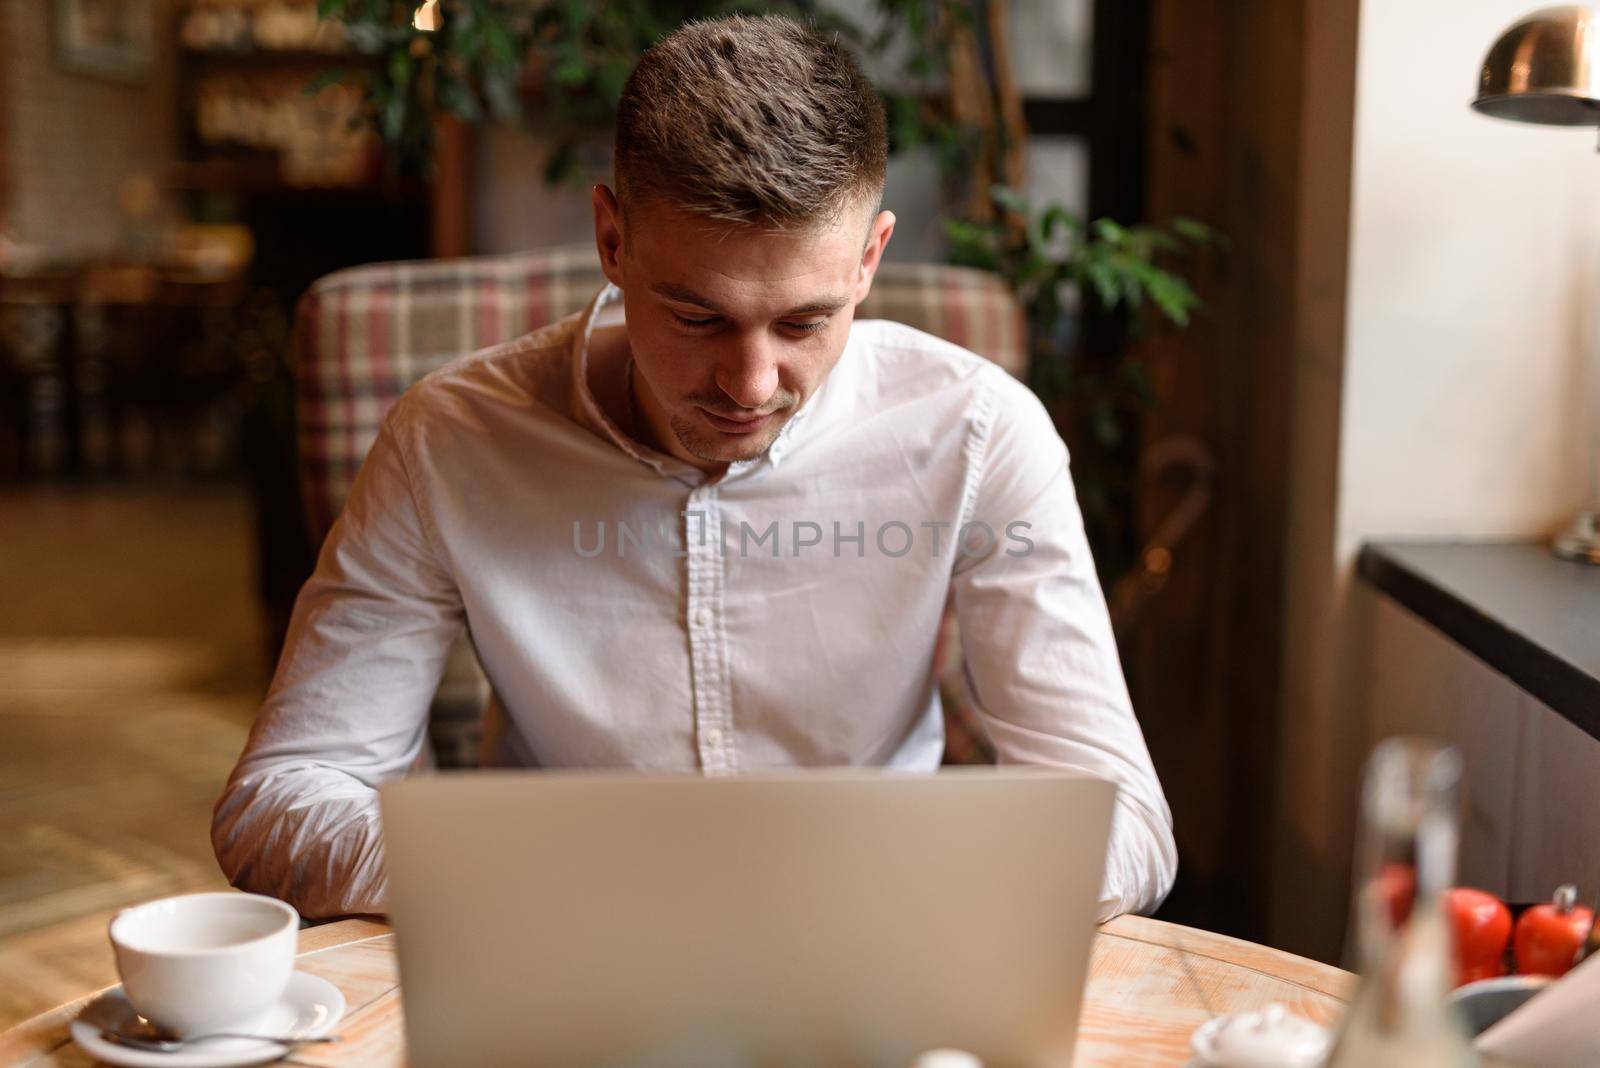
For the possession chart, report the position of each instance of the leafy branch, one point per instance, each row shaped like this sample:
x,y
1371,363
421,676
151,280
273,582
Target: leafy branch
x,y
1054,262
575,55
1060,268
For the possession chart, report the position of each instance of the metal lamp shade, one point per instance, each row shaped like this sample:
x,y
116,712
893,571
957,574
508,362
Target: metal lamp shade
x,y
1545,69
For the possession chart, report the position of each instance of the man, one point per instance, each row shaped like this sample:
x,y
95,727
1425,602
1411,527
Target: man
x,y
790,499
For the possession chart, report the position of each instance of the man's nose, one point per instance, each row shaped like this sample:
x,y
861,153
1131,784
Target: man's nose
x,y
748,372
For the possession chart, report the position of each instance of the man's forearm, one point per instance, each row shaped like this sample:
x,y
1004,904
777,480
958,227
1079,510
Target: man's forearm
x,y
309,835
1141,861
348,706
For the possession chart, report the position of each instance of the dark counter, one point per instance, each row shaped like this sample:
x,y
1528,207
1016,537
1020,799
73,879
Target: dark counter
x,y
1530,616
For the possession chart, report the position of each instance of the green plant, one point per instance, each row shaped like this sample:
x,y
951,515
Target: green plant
x,y
917,104
1047,254
1061,270
576,55
471,67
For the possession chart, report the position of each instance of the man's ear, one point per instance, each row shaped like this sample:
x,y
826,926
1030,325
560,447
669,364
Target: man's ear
x,y
872,255
608,233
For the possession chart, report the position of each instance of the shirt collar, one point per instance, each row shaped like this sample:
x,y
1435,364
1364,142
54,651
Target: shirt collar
x,y
604,310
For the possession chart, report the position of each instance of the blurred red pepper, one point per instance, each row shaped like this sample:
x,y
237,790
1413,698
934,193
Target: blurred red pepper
x,y
1482,925
1548,936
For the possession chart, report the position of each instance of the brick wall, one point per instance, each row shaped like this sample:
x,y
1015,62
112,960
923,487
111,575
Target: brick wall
x,y
69,141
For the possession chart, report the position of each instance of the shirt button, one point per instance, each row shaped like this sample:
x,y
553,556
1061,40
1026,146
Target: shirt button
x,y
713,738
702,616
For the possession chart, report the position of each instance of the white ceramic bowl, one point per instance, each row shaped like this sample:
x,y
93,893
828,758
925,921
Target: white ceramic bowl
x,y
205,962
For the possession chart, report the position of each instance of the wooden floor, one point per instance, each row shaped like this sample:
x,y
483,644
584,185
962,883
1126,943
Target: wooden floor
x,y
131,664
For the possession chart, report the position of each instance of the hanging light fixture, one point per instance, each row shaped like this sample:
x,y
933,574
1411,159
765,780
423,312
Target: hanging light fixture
x,y
1545,69
428,17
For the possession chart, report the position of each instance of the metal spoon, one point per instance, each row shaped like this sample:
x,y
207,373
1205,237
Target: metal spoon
x,y
155,1044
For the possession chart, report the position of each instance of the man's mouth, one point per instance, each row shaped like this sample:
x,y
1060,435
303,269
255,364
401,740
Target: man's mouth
x,y
736,425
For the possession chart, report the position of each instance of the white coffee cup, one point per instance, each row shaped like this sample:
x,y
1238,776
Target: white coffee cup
x,y
202,963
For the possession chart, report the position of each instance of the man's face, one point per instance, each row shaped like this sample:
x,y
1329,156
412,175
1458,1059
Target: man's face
x,y
732,329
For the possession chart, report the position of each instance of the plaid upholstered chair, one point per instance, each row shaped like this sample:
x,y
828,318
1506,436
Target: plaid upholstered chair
x,y
364,335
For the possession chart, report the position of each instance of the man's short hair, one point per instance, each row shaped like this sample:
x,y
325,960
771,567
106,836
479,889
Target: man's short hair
x,y
750,120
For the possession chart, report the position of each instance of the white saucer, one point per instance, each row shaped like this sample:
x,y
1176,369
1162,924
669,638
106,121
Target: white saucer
x,y
309,1007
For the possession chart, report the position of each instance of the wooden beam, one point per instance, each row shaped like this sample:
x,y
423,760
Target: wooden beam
x,y
1051,117
1121,79
1228,129
7,65
1311,869
450,203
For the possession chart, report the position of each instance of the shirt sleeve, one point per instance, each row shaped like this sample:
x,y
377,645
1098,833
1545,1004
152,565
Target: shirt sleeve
x,y
348,706
1040,654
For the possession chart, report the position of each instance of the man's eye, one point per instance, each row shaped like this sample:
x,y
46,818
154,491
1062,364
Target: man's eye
x,y
694,324
806,328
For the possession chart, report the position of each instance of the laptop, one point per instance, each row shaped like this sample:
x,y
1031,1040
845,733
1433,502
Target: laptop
x,y
792,918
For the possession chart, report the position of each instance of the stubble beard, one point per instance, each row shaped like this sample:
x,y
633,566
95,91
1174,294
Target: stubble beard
x,y
714,448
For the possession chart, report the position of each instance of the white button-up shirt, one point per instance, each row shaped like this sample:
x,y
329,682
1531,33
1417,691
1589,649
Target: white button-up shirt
x,y
632,611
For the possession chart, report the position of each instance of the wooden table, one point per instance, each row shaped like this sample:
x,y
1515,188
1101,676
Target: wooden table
x,y
1150,985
